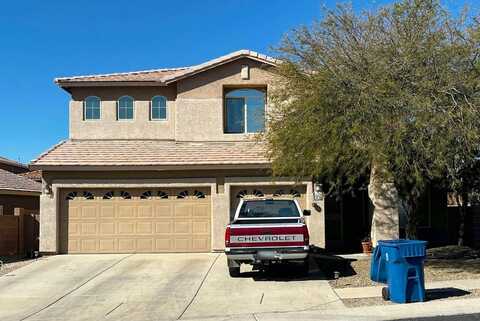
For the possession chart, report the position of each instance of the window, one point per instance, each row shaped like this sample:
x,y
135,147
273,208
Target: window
x,y
199,194
146,195
244,111
162,194
268,209
158,108
71,196
91,108
88,195
125,108
125,195
108,195
183,194
242,194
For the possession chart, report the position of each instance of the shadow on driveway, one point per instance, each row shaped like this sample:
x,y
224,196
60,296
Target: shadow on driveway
x,y
322,267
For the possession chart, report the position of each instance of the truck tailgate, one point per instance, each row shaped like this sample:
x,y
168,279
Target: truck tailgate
x,y
266,235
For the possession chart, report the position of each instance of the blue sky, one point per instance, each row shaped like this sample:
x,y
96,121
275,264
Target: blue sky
x,y
41,40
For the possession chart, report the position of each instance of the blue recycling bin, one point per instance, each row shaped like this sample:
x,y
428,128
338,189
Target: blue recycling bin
x,y
399,263
378,266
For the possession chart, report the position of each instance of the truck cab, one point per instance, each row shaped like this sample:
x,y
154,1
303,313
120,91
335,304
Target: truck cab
x,y
265,232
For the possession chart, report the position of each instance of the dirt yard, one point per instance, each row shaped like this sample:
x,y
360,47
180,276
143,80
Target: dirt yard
x,y
444,263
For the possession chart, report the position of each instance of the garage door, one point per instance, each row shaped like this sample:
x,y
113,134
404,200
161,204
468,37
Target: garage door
x,y
239,192
132,220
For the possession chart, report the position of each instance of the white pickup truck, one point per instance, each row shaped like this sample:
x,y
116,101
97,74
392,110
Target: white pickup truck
x,y
266,231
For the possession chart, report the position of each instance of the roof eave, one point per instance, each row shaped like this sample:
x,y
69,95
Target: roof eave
x,y
22,192
69,84
208,65
57,168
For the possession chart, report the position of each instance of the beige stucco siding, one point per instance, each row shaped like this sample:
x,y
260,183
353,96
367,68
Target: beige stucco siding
x,y
195,106
200,106
108,127
219,183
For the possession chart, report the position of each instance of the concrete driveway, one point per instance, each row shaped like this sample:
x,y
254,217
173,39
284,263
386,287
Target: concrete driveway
x,y
152,287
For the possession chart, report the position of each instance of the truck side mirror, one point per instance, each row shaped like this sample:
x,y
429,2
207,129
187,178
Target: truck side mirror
x,y
307,212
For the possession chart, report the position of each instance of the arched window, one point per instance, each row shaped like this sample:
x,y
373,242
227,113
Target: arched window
x,y
146,195
242,194
71,196
158,108
108,195
88,195
125,195
162,194
182,194
199,194
245,111
91,108
295,193
125,108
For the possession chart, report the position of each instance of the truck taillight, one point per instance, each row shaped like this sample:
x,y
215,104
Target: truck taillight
x,y
227,236
306,237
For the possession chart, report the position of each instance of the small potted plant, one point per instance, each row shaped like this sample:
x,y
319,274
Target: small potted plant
x,y
367,245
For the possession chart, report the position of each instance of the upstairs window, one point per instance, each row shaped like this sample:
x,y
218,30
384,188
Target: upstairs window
x,y
125,108
158,108
91,108
244,111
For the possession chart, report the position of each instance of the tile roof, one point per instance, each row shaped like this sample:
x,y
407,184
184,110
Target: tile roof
x,y
7,161
33,175
14,182
167,75
151,152
156,75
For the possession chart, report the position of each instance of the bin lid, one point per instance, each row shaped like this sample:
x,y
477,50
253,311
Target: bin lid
x,y
407,248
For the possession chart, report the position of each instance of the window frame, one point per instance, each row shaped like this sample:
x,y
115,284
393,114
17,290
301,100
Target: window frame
x,y
151,108
228,90
85,109
118,109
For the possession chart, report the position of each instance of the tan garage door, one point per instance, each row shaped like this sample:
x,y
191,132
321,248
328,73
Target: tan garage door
x,y
133,220
239,192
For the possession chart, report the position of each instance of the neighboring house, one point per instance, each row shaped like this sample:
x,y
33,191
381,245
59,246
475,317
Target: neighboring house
x,y
33,175
17,191
156,161
12,166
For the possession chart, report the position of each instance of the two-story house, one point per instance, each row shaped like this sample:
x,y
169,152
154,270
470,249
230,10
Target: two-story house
x,y
157,160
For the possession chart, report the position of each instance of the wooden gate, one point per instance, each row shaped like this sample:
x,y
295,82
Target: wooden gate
x,y
19,232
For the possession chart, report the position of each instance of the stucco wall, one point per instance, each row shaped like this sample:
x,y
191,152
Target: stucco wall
x,y
200,105
108,127
48,223
195,106
219,181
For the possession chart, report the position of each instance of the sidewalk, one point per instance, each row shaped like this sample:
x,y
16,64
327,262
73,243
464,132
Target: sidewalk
x,y
374,313
370,313
376,291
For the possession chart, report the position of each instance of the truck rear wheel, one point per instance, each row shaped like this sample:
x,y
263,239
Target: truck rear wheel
x,y
233,268
234,272
305,267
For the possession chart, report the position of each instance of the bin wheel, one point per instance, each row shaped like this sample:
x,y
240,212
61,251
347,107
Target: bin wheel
x,y
385,294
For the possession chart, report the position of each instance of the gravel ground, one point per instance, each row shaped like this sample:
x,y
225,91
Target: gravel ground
x,y
445,263
11,263
440,296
